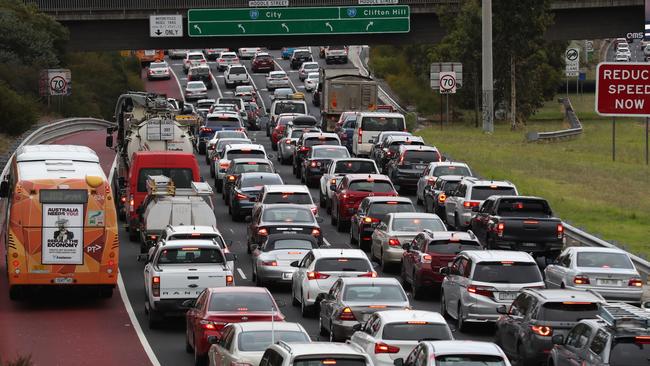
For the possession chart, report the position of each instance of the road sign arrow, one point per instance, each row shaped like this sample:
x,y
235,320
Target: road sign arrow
x,y
158,32
242,28
285,27
369,25
328,25
196,26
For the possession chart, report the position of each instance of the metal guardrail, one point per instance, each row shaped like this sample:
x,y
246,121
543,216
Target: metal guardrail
x,y
574,122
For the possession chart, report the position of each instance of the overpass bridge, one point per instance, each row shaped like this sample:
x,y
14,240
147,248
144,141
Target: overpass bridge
x,y
124,24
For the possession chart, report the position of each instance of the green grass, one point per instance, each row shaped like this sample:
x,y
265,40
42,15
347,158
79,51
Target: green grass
x,y
578,177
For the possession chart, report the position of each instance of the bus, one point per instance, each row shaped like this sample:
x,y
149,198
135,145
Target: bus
x,y
60,221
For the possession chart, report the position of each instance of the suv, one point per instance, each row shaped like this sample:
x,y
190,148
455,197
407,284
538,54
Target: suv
x,y
286,194
435,196
338,54
236,75
262,62
389,149
225,59
200,73
407,167
316,163
315,353
351,190
232,152
620,336
299,56
304,145
524,332
471,192
307,68
437,169
372,210
193,59
336,171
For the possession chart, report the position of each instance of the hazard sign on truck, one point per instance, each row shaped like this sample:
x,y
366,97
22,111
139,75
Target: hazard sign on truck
x,y
623,89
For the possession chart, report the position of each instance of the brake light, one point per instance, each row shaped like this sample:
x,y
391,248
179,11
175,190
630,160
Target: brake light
x,y
581,280
287,141
560,231
385,348
401,160
208,325
314,164
123,199
262,231
155,286
394,242
315,232
303,149
224,164
230,280
431,180
347,314
131,203
360,136
371,274
333,181
270,263
231,178
205,129
220,60
442,197
240,196
635,282
470,204
317,276
481,290
500,227
642,340
544,331
426,258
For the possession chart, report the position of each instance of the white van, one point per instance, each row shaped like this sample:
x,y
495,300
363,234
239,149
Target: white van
x,y
368,127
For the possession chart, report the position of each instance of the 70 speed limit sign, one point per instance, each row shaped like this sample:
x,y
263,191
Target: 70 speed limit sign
x,y
447,82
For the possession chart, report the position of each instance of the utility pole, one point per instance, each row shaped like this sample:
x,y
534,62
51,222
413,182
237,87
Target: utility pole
x,y
488,80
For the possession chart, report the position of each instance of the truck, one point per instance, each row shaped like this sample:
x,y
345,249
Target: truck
x,y
178,271
342,89
521,223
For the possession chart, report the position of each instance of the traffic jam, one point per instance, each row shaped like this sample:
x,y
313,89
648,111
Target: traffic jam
x,y
266,207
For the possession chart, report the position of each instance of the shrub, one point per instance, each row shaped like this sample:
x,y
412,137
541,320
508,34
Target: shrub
x,y
17,113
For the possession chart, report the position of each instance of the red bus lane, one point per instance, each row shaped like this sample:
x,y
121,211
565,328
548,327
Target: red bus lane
x,y
70,328
168,87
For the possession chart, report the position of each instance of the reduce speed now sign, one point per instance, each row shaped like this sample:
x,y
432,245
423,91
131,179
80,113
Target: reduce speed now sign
x,y
623,89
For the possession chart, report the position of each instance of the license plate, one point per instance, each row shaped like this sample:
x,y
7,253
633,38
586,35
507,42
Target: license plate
x,y
287,275
63,280
529,245
609,282
507,295
150,52
420,166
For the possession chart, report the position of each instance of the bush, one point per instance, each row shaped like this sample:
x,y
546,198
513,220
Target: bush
x,y
17,113
411,121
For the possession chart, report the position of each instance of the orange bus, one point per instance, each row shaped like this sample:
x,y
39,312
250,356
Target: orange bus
x,y
61,224
148,56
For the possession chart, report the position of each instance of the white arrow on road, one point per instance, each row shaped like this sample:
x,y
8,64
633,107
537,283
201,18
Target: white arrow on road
x,y
242,28
285,27
369,25
196,26
328,25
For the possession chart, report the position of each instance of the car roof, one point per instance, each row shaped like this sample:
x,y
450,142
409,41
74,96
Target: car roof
x,y
286,188
245,146
412,215
250,160
181,229
254,326
259,174
375,199
195,53
464,347
189,242
498,255
235,289
339,253
322,348
596,250
451,177
352,177
518,197
277,72
557,295
404,148
229,53
381,114
435,164
484,182
327,147
269,206
56,152
308,135
370,281
394,316
399,138
310,63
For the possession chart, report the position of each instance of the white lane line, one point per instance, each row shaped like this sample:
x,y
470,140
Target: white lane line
x,y
290,82
214,81
180,88
250,77
241,273
231,230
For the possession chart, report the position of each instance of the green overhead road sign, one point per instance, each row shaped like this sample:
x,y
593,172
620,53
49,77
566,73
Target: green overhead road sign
x,y
298,21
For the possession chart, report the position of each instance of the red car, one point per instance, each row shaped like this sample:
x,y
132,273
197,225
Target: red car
x,y
216,307
428,252
263,62
354,188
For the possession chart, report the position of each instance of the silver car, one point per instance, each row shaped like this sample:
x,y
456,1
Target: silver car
x,y
195,90
311,82
177,53
608,271
272,260
277,79
287,143
352,301
478,282
398,228
307,68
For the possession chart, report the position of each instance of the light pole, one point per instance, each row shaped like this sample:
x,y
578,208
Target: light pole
x,y
488,79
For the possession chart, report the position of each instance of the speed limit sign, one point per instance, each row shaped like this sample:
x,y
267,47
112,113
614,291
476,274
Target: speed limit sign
x,y
447,82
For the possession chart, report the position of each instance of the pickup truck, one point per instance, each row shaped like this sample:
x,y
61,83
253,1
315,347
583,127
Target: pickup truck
x,y
519,223
178,271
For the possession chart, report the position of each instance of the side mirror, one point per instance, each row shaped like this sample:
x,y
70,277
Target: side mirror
x,y
213,339
294,264
475,209
501,309
356,327
557,339
444,271
143,257
230,257
254,247
109,141
398,362
4,189
188,303
248,218
406,246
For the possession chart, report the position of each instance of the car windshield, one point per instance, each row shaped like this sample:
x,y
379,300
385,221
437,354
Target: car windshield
x,y
379,210
320,141
331,153
302,54
254,180
278,75
200,71
352,167
371,185
190,255
517,207
260,340
228,55
604,260
630,351
382,123
222,121
195,85
312,76
182,177
452,247
245,153
195,56
329,361
482,193
281,214
289,107
158,65
230,134
223,142
417,224
451,170
295,134
252,166
234,101
237,70
263,58
342,265
241,302
415,331
283,244
421,156
450,186
469,360
507,272
568,311
374,293
302,198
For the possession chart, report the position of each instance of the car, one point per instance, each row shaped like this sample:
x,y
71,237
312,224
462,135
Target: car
x,y
193,58
262,62
246,53
299,56
231,152
351,190
524,331
286,193
245,192
277,79
287,143
392,334
436,169
368,127
427,253
177,53
218,150
352,300
245,343
295,105
479,281
619,336
397,228
435,196
380,139
471,192
212,54
158,70
214,308
172,233
195,90
239,166
319,269
217,121
281,93
318,159
278,126
336,171
203,106
406,168
307,68
315,353
281,218
311,82
238,102
220,108
286,52
304,121
390,149
253,112
336,54
226,59
622,58
452,353
235,75
345,130
608,271
305,144
272,260
372,210
246,89
202,73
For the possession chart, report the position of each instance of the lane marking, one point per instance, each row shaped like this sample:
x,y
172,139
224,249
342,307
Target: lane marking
x,y
257,90
180,88
214,81
293,86
241,273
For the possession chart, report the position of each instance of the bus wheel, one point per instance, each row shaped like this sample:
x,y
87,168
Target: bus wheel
x,y
15,293
106,292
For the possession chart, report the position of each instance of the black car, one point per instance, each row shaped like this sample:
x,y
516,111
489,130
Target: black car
x,y
304,145
239,166
300,56
371,212
246,190
436,195
317,162
200,73
282,218
406,169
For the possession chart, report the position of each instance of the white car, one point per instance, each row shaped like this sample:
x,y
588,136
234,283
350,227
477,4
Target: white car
x,y
286,194
307,68
314,354
234,152
277,79
320,268
392,334
248,52
225,59
247,341
236,75
187,233
193,59
311,82
452,353
437,169
195,90
158,70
